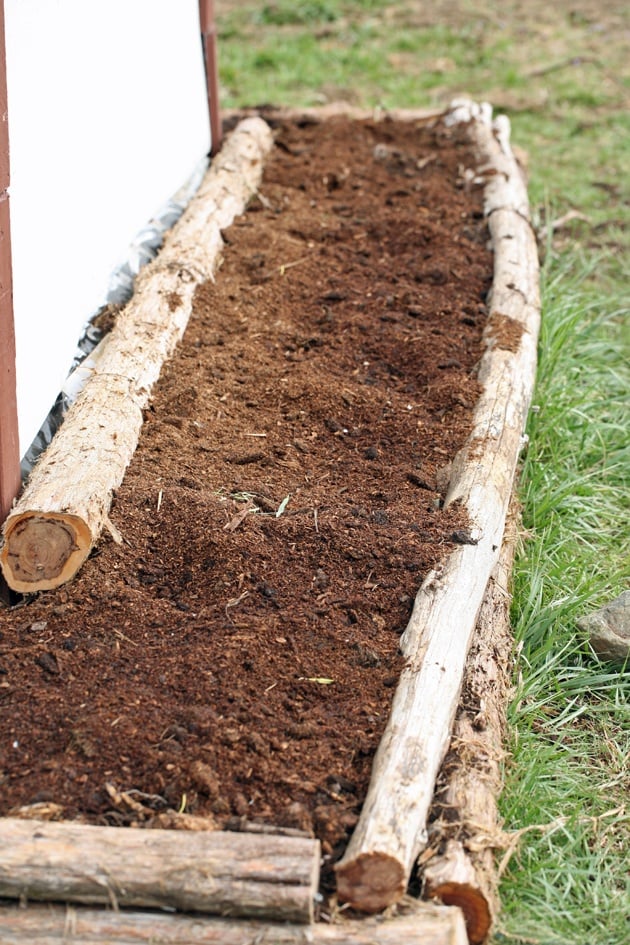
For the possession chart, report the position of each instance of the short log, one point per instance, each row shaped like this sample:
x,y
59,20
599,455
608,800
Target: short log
x,y
466,827
422,924
59,517
453,880
238,874
392,828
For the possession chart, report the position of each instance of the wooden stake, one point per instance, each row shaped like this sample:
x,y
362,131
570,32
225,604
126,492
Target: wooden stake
x,y
210,58
392,829
422,924
467,822
64,507
9,440
240,874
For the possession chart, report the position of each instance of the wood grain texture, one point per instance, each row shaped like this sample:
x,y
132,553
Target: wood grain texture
x,y
220,873
421,924
466,828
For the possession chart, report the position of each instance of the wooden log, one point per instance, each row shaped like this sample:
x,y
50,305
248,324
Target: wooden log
x,y
466,827
422,924
238,874
339,109
453,880
391,831
60,516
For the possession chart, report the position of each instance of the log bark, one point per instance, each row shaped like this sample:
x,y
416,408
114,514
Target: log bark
x,y
424,924
465,820
60,516
215,872
392,828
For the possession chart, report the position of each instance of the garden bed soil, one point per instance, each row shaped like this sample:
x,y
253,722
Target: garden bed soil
x,y
235,657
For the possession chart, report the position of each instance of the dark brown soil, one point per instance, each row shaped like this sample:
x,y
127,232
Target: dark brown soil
x,y
237,654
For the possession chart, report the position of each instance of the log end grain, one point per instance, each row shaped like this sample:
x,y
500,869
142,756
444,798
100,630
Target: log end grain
x,y
371,881
473,904
41,550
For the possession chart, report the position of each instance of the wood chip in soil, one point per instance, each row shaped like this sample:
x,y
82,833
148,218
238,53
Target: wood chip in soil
x,y
236,656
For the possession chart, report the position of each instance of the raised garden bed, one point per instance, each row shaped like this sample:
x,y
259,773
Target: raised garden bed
x,y
339,427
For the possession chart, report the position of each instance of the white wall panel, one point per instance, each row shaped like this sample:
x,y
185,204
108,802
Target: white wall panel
x,y
107,119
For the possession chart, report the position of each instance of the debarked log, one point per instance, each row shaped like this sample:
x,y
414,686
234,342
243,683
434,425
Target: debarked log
x,y
391,832
422,924
453,878
221,873
465,828
65,505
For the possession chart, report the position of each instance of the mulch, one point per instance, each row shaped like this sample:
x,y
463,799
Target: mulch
x,y
235,657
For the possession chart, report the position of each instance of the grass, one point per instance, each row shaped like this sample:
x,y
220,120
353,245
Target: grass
x,y
569,769
560,71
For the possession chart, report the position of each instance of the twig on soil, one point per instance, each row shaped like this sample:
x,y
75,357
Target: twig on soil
x,y
122,636
296,262
240,517
235,601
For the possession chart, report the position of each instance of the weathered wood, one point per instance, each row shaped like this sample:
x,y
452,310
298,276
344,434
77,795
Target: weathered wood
x,y
392,829
453,880
220,873
466,815
422,924
59,517
339,109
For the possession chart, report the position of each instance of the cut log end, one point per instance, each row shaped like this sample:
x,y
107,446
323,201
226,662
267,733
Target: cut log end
x,y
371,881
473,904
42,550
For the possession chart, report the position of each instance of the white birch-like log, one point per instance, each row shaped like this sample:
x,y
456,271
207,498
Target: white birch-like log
x,y
422,924
340,109
466,828
391,832
60,515
238,874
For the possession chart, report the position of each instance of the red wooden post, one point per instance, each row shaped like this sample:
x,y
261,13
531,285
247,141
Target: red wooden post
x,y
9,442
209,40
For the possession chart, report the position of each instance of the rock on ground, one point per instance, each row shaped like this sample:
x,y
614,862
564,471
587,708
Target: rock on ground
x,y
609,628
